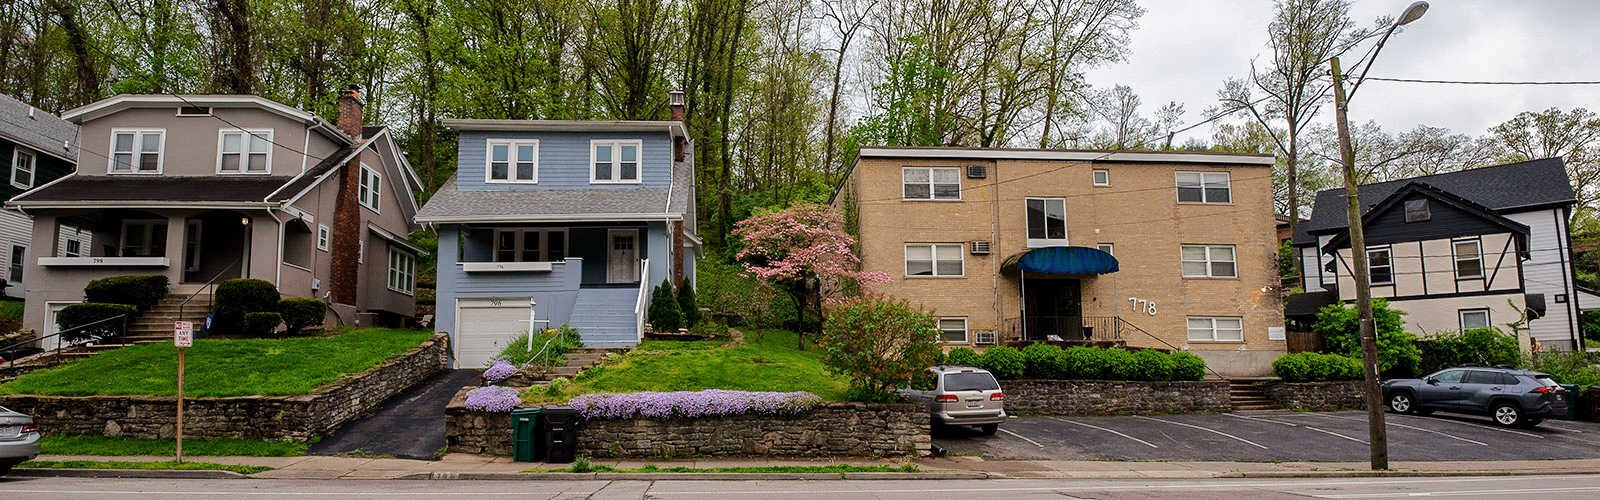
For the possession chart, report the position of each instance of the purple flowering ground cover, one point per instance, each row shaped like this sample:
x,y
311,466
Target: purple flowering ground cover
x,y
692,404
500,370
493,399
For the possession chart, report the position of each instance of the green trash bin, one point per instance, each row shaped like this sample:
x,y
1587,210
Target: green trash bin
x,y
526,445
1574,410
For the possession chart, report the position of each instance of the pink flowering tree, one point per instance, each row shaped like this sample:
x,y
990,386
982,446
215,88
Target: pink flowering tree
x,y
804,251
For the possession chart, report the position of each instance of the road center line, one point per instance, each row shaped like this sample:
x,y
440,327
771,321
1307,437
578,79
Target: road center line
x,y
1146,443
1213,431
1019,436
1335,434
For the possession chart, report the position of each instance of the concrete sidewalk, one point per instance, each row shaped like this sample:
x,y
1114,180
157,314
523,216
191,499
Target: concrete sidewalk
x,y
462,466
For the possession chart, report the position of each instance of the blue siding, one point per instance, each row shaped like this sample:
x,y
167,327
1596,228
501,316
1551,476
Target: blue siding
x,y
563,159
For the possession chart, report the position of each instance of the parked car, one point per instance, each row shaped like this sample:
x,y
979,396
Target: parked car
x,y
960,395
19,439
1512,397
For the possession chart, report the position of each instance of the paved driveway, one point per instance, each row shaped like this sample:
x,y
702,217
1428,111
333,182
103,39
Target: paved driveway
x,y
408,425
1276,436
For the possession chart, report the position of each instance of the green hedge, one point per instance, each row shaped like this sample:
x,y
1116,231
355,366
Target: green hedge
x,y
1478,347
1045,361
299,314
261,324
963,357
1315,367
237,297
1003,362
77,315
140,291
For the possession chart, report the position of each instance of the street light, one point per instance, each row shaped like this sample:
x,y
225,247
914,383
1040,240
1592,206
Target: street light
x,y
1370,393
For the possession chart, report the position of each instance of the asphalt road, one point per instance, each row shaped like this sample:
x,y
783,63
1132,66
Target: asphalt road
x,y
408,425
1269,437
1543,487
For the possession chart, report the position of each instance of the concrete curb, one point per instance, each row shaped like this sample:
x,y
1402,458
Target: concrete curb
x,y
693,476
128,473
1398,473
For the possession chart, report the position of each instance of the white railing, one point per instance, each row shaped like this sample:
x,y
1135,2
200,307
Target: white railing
x,y
642,305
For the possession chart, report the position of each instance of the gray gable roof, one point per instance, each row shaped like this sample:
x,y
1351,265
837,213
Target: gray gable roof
x,y
450,204
1499,188
38,130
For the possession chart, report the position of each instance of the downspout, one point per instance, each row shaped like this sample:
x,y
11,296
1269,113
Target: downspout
x,y
277,280
994,240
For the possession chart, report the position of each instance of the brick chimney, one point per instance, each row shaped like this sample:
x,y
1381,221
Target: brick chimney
x,y
678,104
347,232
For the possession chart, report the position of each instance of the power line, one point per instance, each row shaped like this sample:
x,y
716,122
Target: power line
x,y
1484,82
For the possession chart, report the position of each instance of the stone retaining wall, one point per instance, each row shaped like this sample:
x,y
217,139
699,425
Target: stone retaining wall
x,y
253,417
830,430
1315,396
1115,397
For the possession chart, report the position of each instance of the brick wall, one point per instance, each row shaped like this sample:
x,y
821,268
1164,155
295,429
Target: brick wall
x,y
253,417
1115,397
1316,396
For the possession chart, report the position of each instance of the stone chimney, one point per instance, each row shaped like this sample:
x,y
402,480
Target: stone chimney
x,y
678,104
343,283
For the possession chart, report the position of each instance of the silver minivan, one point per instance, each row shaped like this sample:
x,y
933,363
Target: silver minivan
x,y
960,395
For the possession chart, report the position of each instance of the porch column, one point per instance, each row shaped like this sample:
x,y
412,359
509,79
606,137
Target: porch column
x,y
177,233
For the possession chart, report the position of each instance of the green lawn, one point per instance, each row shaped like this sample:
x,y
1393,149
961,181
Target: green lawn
x,y
223,367
11,309
122,447
163,465
767,361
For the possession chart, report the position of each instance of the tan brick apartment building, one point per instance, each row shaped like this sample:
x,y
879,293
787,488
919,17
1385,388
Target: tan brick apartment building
x,y
1164,250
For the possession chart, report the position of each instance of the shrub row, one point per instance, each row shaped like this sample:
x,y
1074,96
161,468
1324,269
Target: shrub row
x,y
1477,347
88,313
253,307
1045,361
140,291
1314,367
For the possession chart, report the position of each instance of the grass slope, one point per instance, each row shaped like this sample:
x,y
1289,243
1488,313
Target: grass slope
x,y
222,367
767,361
122,447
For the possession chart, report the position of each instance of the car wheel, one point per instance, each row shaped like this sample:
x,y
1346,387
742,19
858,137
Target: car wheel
x,y
990,429
1507,415
1400,402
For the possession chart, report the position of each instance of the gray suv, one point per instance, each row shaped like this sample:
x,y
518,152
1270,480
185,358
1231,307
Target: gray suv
x,y
960,395
1513,398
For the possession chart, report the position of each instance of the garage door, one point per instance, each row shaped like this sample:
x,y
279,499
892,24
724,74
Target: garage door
x,y
486,326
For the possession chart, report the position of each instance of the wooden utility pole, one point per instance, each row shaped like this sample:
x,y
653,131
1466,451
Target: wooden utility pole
x,y
1378,439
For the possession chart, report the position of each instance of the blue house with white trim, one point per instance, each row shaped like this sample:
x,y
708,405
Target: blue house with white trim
x,y
549,222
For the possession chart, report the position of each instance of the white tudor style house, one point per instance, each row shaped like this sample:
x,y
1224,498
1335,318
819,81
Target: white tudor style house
x,y
1455,251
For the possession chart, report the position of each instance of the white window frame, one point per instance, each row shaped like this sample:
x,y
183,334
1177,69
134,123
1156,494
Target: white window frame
x,y
1425,215
370,195
20,263
1026,226
511,162
544,244
932,196
16,166
1461,317
934,251
966,332
1108,248
1456,258
401,278
67,251
1100,177
616,160
1210,261
324,236
1213,328
138,141
246,138
181,113
1388,264
1204,198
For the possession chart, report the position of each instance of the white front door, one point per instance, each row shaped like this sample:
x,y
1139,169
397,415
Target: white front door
x,y
622,256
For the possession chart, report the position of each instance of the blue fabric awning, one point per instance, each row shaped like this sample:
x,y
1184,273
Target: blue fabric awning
x,y
1061,260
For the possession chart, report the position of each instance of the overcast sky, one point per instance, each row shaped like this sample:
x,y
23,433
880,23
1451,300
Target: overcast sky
x,y
1184,50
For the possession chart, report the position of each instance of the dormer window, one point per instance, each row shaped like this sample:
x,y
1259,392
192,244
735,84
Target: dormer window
x,y
136,151
614,162
1417,211
512,162
244,152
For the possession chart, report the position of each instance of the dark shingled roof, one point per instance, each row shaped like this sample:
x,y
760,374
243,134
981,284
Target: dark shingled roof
x,y
42,131
1499,188
164,189
311,175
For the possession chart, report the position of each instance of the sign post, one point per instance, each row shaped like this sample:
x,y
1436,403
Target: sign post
x,y
182,337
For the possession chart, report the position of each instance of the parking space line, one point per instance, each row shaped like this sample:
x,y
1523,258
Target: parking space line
x,y
1259,419
1338,435
1563,428
1213,431
1019,436
1469,424
1430,431
1141,441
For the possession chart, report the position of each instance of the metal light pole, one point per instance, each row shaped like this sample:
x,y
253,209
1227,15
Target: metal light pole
x,y
1378,439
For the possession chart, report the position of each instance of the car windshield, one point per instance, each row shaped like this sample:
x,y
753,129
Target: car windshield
x,y
970,381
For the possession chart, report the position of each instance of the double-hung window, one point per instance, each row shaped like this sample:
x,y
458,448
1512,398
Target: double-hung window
x,y
323,237
244,152
22,167
136,151
1204,187
930,183
1380,267
513,162
615,162
953,330
371,188
1047,222
402,271
1209,261
530,245
18,259
930,260
1216,329
1469,259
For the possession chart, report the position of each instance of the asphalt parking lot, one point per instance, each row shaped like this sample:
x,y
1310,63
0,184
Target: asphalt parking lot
x,y
1270,437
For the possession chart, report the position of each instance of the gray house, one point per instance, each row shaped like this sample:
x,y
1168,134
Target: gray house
x,y
204,188
552,222
37,148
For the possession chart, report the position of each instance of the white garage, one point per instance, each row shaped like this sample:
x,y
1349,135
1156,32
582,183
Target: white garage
x,y
485,326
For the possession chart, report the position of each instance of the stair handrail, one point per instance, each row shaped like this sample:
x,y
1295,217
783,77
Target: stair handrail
x,y
538,356
211,299
642,304
12,363
1163,342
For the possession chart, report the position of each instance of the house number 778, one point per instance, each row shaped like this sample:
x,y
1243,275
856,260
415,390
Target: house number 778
x,y
1142,305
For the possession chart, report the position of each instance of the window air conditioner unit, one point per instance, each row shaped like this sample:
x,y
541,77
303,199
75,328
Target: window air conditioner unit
x,y
984,337
979,247
977,171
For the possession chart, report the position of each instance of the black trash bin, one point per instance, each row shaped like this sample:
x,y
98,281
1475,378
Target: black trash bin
x,y
559,430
